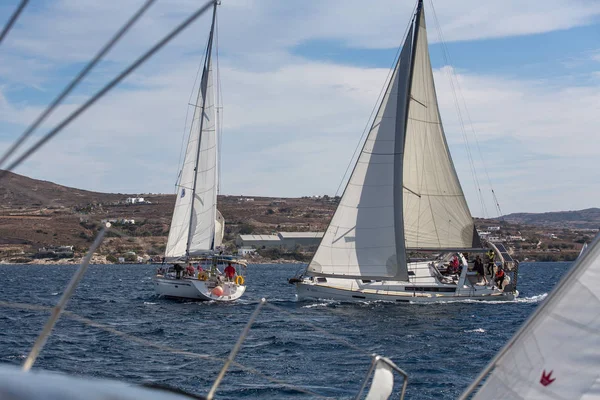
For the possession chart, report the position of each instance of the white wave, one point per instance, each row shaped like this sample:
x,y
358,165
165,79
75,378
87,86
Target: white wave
x,y
148,303
54,294
532,299
478,330
325,303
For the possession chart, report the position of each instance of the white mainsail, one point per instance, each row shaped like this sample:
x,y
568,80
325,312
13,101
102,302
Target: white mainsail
x,y
197,217
556,354
404,191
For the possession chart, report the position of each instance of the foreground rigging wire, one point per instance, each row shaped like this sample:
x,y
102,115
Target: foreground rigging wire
x,y
76,80
108,87
13,19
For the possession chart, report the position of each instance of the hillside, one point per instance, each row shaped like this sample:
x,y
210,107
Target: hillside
x,y
20,191
588,218
36,214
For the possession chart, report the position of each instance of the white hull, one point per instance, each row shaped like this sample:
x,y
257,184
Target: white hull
x,y
187,288
426,285
316,291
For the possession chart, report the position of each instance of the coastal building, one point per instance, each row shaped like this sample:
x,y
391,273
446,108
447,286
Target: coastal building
x,y
134,200
494,238
282,240
493,228
55,252
306,240
258,241
244,251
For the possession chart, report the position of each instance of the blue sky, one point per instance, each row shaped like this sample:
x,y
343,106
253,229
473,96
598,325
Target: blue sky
x,y
299,81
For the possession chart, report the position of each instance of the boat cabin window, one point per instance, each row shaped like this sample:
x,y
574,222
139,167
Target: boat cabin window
x,y
321,279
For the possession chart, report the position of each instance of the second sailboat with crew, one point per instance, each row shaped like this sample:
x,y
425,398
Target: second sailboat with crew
x,y
198,270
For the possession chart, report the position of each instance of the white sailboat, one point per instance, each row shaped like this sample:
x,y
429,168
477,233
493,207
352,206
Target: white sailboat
x,y
403,201
197,227
555,354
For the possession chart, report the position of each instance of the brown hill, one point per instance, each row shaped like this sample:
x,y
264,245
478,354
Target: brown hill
x,y
20,191
35,214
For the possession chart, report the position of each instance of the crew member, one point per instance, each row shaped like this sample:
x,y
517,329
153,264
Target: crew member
x,y
490,267
478,267
499,277
229,272
178,268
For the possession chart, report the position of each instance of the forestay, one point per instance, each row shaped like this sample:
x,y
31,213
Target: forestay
x,y
204,208
361,238
556,354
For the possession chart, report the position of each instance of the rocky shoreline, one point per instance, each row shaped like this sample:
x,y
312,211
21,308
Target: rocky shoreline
x,y
101,260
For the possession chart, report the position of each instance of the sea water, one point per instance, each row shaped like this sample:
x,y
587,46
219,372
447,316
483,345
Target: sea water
x,y
441,346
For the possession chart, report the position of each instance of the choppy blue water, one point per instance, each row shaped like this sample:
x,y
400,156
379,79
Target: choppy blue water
x,y
441,346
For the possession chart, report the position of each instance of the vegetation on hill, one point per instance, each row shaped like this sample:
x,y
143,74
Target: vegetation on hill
x,y
37,214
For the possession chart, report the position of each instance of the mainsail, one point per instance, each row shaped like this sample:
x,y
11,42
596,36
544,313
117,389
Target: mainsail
x,y
556,354
193,225
403,192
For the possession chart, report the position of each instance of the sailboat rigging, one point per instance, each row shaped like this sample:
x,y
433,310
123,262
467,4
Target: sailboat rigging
x,y
197,227
404,200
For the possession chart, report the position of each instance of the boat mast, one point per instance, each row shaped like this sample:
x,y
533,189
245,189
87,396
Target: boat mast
x,y
401,255
203,90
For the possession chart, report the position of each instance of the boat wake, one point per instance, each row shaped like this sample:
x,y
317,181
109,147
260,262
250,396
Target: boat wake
x,y
533,299
478,330
324,303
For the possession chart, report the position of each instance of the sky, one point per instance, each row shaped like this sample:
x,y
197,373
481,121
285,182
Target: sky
x,y
299,82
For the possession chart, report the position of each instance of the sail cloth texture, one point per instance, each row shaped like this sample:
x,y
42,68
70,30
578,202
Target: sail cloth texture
x,y
219,229
404,191
556,354
436,214
361,240
205,198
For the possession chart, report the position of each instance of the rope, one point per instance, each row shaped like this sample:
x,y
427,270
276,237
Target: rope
x,y
76,80
185,125
62,303
108,87
375,106
452,78
161,347
449,61
13,19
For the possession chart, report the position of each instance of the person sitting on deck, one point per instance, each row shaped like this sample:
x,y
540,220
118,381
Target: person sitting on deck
x,y
230,272
478,267
453,266
189,271
499,278
178,268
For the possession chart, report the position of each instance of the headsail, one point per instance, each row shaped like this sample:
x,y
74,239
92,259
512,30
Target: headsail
x,y
193,225
403,192
555,354
361,238
436,215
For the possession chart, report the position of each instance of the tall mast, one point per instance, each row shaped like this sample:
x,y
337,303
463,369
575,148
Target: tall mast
x,y
203,90
401,126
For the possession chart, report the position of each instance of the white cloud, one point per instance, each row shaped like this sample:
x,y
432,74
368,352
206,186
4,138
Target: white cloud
x,y
291,124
